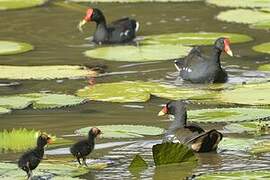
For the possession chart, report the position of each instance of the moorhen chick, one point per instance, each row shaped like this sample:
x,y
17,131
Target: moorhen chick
x,y
31,159
198,68
84,147
196,137
120,31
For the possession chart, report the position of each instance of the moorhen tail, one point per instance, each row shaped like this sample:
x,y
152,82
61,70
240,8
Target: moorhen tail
x,y
190,134
31,159
83,148
198,68
120,31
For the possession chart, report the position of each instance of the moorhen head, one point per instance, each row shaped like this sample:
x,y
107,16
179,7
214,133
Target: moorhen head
x,y
119,31
223,44
83,148
31,159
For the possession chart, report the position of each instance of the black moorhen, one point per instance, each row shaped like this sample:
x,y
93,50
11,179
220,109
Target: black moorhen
x,y
83,148
31,159
197,139
120,31
198,68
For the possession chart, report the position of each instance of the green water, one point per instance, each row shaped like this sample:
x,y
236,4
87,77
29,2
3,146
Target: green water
x,y
52,30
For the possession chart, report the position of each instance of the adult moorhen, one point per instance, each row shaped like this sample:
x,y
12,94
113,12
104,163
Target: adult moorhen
x,y
31,159
198,68
120,31
190,134
84,147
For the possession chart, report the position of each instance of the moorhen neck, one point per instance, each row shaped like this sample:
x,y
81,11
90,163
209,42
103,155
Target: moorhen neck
x,y
31,159
84,147
198,68
198,140
120,31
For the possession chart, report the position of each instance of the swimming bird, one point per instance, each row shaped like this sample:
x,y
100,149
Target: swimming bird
x,y
84,147
198,68
120,31
192,135
31,159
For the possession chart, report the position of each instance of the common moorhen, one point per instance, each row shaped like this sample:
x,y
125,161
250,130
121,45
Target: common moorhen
x,y
198,68
31,159
84,147
197,139
119,31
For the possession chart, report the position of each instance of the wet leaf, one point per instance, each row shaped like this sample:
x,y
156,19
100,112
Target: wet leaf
x,y
251,94
124,131
9,47
170,153
45,72
261,25
228,114
264,48
235,144
133,1
4,110
240,3
245,16
137,163
139,53
261,147
255,127
236,175
199,38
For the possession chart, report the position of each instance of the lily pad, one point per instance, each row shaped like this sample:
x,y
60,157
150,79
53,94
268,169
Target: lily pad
x,y
9,47
4,110
124,131
265,67
261,25
228,114
244,16
139,91
236,144
132,1
236,175
44,170
137,163
261,147
251,94
264,48
249,127
170,153
45,72
199,38
240,3
139,53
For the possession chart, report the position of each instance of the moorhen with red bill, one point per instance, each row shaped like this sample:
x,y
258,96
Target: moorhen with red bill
x,y
120,31
196,138
198,68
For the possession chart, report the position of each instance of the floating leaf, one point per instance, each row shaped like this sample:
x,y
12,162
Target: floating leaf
x,y
261,147
199,38
245,16
236,175
137,163
240,3
249,127
235,144
169,153
133,1
9,47
139,91
124,131
265,67
15,102
261,25
44,170
4,110
264,48
228,114
252,94
139,53
44,72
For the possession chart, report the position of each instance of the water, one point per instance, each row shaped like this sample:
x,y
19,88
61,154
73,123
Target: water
x,y
52,30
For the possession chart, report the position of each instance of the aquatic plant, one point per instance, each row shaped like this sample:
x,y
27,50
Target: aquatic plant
x,y
264,48
235,175
240,3
254,127
10,47
20,4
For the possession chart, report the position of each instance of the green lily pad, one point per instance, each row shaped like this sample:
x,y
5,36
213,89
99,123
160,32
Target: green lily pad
x,y
236,175
20,4
4,110
236,144
199,38
265,67
264,48
228,114
138,163
55,171
240,3
139,91
170,153
132,1
244,16
249,127
124,131
261,147
139,53
15,102
9,47
45,72
251,94
261,25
